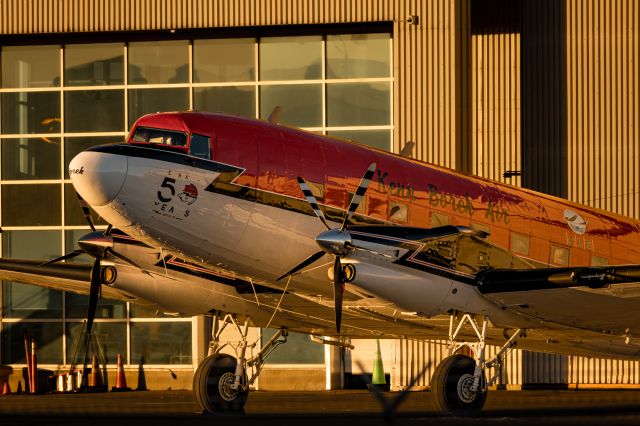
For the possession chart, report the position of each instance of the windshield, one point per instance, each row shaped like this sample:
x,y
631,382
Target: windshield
x,y
159,136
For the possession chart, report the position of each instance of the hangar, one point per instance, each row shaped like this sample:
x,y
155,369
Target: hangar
x,y
539,94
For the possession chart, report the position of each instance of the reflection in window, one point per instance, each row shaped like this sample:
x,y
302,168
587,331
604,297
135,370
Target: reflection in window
x,y
147,101
31,205
439,219
380,139
112,338
358,104
161,342
48,336
199,146
291,58
93,64
520,244
31,112
26,301
223,60
599,261
159,62
235,100
159,136
34,158
301,104
358,55
94,111
559,255
299,349
398,212
30,66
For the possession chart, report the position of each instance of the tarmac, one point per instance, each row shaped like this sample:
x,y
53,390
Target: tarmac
x,y
330,408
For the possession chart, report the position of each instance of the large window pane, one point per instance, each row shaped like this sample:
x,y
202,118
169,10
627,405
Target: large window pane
x,y
30,66
299,349
73,215
75,145
358,56
380,139
31,205
291,58
36,158
76,307
94,111
302,104
240,100
159,62
26,301
93,64
35,112
112,338
358,104
223,60
146,101
48,337
161,342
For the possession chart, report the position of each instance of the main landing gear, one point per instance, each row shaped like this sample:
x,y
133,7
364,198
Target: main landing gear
x,y
459,382
221,384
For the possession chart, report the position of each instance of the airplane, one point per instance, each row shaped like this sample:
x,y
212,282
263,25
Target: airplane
x,y
261,224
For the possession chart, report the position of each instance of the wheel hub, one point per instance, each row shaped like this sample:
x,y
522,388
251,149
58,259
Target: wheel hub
x,y
226,388
465,386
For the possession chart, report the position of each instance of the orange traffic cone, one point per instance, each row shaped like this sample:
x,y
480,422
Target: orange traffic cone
x,y
121,379
6,389
95,380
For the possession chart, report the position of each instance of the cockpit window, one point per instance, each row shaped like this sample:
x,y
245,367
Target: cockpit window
x,y
199,147
159,136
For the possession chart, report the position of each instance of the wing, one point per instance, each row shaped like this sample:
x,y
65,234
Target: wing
x,y
600,299
73,277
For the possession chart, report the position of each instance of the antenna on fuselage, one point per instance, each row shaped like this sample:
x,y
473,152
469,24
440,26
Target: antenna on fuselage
x,y
274,117
407,149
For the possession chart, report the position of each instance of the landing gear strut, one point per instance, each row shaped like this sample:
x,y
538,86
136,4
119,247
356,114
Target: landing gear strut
x,y
221,384
459,382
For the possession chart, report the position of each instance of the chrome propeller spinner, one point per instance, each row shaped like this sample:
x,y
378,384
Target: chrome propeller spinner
x,y
336,242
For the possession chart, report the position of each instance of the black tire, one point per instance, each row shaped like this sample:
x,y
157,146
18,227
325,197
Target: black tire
x,y
212,395
449,385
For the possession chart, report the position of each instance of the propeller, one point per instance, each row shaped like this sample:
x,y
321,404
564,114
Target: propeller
x,y
97,244
334,241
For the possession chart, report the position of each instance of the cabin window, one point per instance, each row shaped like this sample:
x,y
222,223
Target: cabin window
x,y
199,147
559,255
599,261
438,219
520,244
159,136
398,212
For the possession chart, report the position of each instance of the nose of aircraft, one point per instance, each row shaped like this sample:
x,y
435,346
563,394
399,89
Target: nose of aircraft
x,y
98,176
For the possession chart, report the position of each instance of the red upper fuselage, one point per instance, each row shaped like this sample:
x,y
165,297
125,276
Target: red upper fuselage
x,y
536,226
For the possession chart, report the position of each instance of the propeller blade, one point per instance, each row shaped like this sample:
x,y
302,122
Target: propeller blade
x,y
308,261
94,292
71,255
124,259
311,199
357,197
86,210
338,290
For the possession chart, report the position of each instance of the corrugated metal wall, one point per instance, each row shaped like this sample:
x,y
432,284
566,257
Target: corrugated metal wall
x,y
426,57
583,370
603,110
495,105
412,355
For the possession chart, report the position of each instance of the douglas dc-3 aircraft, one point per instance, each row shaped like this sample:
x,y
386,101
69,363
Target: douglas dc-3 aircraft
x,y
271,226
